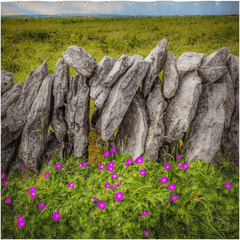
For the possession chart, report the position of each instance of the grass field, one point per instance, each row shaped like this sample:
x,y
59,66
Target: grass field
x,y
207,204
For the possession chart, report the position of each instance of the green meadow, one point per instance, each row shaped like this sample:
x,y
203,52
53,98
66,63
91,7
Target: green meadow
x,y
76,200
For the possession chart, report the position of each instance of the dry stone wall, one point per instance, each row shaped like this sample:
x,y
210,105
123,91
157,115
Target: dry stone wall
x,y
197,92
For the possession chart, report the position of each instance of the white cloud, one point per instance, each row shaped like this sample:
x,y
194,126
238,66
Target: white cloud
x,y
9,11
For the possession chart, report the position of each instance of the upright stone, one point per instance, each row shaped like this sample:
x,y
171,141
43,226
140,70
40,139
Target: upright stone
x,y
182,107
119,68
60,86
170,76
207,126
132,133
10,97
214,66
155,109
188,62
7,81
79,59
120,98
77,117
229,103
98,92
18,112
156,58
33,143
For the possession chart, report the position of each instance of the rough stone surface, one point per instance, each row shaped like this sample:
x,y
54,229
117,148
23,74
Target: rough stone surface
x,y
77,117
119,68
155,109
60,86
182,107
7,81
170,76
120,98
214,65
207,126
98,92
96,115
41,108
230,100
79,59
10,97
231,135
188,62
156,58
132,133
7,155
18,112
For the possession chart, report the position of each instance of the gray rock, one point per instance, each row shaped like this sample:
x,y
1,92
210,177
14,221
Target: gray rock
x,y
77,117
60,86
119,68
33,143
156,58
188,62
155,109
132,133
230,100
6,135
170,76
7,81
231,135
182,107
120,98
137,58
10,97
59,126
98,92
207,126
18,112
7,155
79,59
214,65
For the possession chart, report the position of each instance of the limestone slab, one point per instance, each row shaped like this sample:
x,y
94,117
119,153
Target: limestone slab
x,y
32,146
120,98
207,126
10,97
156,58
7,81
79,59
182,107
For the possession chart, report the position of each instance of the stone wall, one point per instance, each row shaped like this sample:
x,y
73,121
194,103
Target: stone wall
x,y
197,90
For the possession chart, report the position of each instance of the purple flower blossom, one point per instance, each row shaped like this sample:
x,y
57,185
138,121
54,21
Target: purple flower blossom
x,y
179,165
119,196
8,200
5,183
142,172
58,166
125,164
92,221
139,160
84,164
185,166
171,186
22,165
102,167
20,218
228,185
21,223
110,168
163,179
3,175
71,185
114,176
174,197
148,235
56,216
41,205
111,164
179,156
102,205
166,199
106,154
113,149
129,161
144,232
167,166
145,213
46,175
107,185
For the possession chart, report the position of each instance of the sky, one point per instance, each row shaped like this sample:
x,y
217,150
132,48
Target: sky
x,y
126,8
